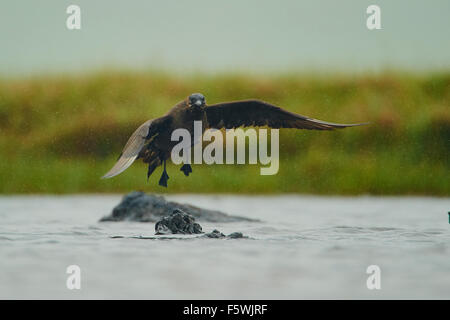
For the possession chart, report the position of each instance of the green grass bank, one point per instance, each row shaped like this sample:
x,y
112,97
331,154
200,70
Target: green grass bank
x,y
60,134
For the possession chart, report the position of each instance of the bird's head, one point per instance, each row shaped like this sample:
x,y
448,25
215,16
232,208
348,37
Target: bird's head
x,y
196,100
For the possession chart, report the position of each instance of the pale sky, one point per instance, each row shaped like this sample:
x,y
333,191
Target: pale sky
x,y
214,36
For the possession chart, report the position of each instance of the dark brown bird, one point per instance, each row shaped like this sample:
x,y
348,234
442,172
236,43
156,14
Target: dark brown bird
x,y
152,140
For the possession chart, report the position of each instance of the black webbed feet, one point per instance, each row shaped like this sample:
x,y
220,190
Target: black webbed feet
x,y
186,168
163,179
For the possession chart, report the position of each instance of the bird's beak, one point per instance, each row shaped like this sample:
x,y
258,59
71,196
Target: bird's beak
x,y
198,103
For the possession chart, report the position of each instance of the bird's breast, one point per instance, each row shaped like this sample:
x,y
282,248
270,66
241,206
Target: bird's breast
x,y
194,122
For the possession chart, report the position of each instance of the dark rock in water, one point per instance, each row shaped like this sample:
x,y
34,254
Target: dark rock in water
x,y
236,235
142,207
178,222
216,234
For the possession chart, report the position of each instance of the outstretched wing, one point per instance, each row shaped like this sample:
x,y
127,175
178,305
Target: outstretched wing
x,y
138,139
259,113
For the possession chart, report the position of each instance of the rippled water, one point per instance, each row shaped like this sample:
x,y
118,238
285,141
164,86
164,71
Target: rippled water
x,y
305,247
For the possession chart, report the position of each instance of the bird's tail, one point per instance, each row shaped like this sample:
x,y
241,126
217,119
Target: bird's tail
x,y
152,166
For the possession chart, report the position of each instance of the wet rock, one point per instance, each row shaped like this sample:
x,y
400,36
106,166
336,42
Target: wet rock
x,y
236,235
142,207
216,234
178,222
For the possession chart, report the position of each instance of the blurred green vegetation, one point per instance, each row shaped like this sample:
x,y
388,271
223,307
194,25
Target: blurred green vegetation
x,y
60,134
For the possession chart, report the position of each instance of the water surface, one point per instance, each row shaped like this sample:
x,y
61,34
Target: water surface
x,y
305,247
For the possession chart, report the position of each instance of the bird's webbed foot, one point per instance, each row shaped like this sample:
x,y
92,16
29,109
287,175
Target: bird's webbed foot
x,y
186,168
164,177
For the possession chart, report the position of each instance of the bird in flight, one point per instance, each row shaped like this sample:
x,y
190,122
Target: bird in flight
x,y
152,143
